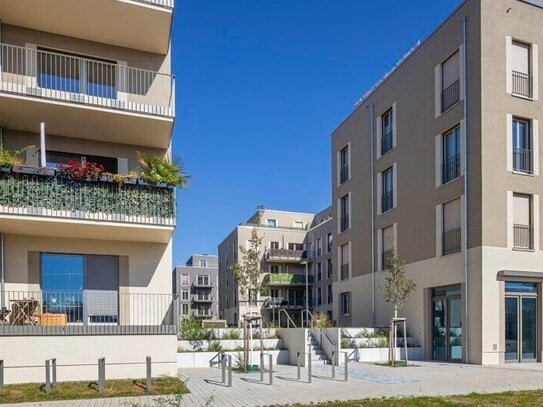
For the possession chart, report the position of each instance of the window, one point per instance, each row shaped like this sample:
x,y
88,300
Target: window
x,y
451,155
274,294
203,280
272,223
56,158
185,309
274,245
185,295
296,246
522,221
344,261
522,146
520,66
319,271
299,225
387,198
184,279
450,82
329,268
344,165
319,247
387,242
344,214
387,127
330,295
203,263
328,242
345,303
319,296
274,269
452,231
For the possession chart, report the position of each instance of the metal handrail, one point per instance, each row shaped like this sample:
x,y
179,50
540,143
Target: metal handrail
x,y
450,96
289,319
522,160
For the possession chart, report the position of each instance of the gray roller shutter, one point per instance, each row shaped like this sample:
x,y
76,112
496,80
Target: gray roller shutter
x,y
102,289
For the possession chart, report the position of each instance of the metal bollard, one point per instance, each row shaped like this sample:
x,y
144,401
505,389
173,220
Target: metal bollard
x,y
309,367
148,371
333,364
47,377
298,375
271,368
346,366
223,368
261,366
1,374
229,370
101,374
54,367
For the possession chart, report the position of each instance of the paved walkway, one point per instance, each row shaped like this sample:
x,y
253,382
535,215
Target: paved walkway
x,y
365,380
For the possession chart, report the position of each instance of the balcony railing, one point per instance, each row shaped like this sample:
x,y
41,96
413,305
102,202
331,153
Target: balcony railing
x,y
522,236
87,312
344,271
452,241
344,223
202,283
161,3
387,201
285,255
288,279
344,174
385,256
451,169
522,160
63,77
522,84
33,192
283,302
450,96
203,313
202,298
386,142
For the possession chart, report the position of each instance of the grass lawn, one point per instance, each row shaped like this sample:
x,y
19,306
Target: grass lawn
x,y
18,393
520,398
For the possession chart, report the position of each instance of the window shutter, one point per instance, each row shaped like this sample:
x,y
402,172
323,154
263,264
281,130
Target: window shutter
x,y
451,70
102,289
520,57
521,211
451,215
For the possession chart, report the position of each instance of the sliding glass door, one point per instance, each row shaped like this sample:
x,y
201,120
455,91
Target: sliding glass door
x,y
521,322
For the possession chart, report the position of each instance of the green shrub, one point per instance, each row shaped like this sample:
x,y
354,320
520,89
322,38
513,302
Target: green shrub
x,y
232,334
13,158
347,343
214,346
191,329
153,168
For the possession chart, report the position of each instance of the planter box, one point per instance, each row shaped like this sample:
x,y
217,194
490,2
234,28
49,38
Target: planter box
x,y
381,354
227,344
208,359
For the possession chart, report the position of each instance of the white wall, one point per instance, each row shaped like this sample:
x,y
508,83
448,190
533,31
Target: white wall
x,y
188,360
295,340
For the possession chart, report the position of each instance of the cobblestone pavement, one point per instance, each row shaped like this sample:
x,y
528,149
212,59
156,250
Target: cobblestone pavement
x,y
365,380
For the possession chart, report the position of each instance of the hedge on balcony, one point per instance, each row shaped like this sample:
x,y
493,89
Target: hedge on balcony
x,y
82,199
287,278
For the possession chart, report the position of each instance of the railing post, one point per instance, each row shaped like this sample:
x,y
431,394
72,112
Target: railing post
x,y
270,356
309,364
346,367
47,377
148,371
101,374
1,374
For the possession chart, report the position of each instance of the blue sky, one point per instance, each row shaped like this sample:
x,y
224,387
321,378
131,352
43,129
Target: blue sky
x,y
261,84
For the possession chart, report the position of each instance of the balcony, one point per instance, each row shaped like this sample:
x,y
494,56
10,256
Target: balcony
x,y
202,298
202,284
282,279
284,303
450,96
522,160
44,203
522,84
86,312
203,313
450,169
285,256
96,99
522,237
452,240
139,24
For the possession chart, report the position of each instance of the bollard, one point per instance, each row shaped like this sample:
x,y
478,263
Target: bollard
x,y
271,368
333,364
229,370
54,366
309,367
346,367
223,368
298,376
1,374
261,366
101,374
148,371
47,377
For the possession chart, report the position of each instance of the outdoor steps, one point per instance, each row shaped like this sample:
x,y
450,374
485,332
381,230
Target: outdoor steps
x,y
318,357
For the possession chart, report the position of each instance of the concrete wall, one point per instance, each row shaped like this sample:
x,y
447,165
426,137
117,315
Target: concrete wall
x,y
77,356
295,340
188,360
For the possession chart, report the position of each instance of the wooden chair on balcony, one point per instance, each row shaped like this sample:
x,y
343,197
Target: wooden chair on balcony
x,y
23,312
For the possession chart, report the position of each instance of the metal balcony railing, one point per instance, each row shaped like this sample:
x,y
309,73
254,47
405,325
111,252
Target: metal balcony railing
x,y
285,255
522,160
450,96
87,312
522,84
452,240
202,298
204,283
283,302
386,142
72,79
344,222
522,236
387,201
35,192
203,313
451,169
385,255
344,174
288,279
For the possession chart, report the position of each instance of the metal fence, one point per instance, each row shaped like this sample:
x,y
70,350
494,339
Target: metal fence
x,y
450,96
451,168
87,312
452,241
522,84
522,160
68,78
522,236
386,142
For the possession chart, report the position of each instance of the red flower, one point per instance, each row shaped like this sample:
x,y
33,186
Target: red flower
x,y
90,171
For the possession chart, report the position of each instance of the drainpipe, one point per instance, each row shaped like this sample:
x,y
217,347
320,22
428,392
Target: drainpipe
x,y
465,208
372,193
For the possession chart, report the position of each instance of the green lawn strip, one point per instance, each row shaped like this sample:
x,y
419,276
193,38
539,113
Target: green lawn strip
x,y
20,393
520,398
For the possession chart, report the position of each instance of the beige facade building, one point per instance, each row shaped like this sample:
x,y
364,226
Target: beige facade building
x,y
88,261
441,158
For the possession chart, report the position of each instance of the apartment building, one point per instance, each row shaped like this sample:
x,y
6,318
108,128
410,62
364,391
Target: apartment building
x,y
441,159
197,284
284,268
320,248
86,259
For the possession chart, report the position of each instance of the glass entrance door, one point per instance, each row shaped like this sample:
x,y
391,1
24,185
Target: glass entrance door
x,y
520,329
447,324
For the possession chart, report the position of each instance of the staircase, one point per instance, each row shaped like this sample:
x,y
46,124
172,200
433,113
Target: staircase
x,y
318,357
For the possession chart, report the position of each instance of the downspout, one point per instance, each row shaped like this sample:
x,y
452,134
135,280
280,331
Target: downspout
x,y
465,208
372,193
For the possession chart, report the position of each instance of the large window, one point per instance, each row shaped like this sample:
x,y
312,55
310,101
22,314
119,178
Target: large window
x,y
522,146
452,234
387,187
344,222
344,165
451,155
520,66
330,294
387,243
345,303
387,126
328,242
319,247
329,270
344,261
319,296
55,158
522,221
450,76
